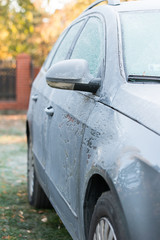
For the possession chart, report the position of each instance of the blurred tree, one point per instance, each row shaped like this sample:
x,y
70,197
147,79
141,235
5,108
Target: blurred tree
x,y
3,30
18,20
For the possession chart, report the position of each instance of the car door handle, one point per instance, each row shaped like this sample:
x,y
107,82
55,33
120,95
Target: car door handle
x,y
35,97
49,111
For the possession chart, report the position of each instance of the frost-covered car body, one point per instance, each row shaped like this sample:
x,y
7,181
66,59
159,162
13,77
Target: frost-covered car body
x,y
85,144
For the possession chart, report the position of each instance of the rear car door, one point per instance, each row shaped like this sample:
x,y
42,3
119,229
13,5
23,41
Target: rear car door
x,y
66,126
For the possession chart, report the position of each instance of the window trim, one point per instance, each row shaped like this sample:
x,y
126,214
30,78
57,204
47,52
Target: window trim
x,y
85,19
65,32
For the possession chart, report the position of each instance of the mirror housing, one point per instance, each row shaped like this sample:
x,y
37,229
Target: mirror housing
x,y
72,74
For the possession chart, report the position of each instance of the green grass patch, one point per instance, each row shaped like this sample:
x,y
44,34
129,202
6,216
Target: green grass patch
x,y
18,220
10,131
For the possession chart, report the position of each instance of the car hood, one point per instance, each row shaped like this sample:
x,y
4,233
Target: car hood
x,y
141,102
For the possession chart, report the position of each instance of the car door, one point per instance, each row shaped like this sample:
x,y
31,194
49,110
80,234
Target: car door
x,y
40,101
66,126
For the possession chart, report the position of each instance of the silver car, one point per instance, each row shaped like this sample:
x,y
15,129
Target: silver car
x,y
93,124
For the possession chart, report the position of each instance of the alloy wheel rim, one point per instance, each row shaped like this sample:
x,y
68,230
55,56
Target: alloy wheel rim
x,y
104,230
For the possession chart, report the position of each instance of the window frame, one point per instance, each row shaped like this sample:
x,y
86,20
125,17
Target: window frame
x,y
64,33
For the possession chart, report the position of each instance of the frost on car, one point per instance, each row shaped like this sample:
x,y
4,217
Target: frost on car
x,y
93,124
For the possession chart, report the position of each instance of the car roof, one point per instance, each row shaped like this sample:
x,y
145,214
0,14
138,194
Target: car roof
x,y
130,6
136,6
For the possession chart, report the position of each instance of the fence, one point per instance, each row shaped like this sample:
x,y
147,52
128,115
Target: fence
x,y
15,83
7,80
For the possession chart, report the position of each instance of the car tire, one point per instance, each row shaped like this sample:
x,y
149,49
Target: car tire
x,y
36,196
107,220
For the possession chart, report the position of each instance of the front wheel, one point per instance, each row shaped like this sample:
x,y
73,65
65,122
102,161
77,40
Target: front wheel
x,y
36,195
107,221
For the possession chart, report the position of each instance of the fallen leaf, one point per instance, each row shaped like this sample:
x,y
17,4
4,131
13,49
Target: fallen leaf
x,y
21,212
6,208
44,219
6,237
40,212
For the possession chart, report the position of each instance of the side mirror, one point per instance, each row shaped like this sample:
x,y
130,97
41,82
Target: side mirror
x,y
72,74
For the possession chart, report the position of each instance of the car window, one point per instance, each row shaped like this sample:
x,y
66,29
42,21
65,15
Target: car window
x,y
90,45
141,48
65,45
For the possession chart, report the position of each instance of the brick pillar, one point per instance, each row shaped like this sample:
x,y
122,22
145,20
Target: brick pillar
x,y
23,80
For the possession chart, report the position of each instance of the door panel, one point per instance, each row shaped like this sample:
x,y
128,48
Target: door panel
x,y
65,135
40,100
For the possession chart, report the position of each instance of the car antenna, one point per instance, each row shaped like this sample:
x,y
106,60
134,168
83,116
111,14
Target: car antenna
x,y
110,2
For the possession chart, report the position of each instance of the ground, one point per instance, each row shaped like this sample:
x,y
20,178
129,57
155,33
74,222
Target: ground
x,y
18,220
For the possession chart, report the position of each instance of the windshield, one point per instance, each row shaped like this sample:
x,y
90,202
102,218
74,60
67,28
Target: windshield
x,y
141,42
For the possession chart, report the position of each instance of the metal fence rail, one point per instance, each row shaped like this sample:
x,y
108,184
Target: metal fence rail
x,y
7,80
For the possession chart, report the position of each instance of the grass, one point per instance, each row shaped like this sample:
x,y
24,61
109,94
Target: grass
x,y
18,220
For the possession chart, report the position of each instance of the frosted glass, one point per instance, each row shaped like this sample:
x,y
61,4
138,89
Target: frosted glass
x,y
141,43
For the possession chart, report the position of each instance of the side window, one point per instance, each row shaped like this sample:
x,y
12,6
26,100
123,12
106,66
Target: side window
x,y
90,45
65,45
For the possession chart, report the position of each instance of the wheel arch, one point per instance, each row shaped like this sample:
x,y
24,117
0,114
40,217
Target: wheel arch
x,y
27,131
96,186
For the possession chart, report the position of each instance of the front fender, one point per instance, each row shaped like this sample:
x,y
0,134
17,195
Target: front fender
x,y
126,155
137,187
